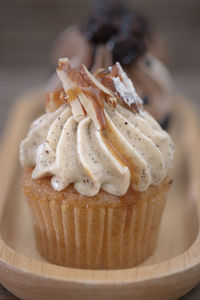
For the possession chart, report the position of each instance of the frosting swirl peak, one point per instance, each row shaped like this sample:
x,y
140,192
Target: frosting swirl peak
x,y
100,137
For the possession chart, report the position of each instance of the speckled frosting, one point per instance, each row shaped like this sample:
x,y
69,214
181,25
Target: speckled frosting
x,y
99,137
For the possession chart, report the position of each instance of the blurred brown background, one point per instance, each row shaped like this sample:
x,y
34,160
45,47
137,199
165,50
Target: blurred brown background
x,y
28,29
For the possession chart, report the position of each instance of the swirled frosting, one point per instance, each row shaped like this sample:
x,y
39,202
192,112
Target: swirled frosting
x,y
99,138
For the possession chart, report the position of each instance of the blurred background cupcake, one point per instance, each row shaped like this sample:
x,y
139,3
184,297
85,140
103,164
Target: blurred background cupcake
x,y
114,32
29,29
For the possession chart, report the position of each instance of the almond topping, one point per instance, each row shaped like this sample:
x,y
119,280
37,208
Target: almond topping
x,y
69,87
91,80
85,93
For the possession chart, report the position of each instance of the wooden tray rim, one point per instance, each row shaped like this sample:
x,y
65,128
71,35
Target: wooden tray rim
x,y
21,263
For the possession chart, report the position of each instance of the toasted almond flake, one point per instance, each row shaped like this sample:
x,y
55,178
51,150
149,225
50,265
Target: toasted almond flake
x,y
126,90
63,63
94,111
90,79
77,109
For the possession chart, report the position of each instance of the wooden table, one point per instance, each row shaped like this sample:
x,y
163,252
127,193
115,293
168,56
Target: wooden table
x,y
28,29
193,295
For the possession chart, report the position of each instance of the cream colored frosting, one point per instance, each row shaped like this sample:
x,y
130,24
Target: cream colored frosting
x,y
133,150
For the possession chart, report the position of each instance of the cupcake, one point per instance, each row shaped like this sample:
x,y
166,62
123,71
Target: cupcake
x,y
96,172
117,34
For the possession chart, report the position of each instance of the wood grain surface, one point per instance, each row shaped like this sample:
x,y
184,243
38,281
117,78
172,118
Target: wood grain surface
x,y
172,260
28,29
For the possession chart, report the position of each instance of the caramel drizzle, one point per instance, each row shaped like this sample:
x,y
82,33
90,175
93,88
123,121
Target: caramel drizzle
x,y
72,94
95,96
54,100
114,151
95,90
117,148
92,93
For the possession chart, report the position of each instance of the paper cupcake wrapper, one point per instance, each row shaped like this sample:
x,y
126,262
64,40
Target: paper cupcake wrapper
x,y
99,237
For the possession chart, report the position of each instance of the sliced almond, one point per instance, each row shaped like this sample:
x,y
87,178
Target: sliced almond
x,y
107,81
76,77
77,109
95,112
63,64
101,73
91,80
126,90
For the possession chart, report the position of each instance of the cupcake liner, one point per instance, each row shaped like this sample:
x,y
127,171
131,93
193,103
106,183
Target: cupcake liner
x,y
96,237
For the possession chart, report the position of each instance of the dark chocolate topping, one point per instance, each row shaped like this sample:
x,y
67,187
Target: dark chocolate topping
x,y
124,32
126,49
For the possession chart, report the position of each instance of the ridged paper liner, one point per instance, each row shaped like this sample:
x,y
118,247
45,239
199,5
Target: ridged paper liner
x,y
97,237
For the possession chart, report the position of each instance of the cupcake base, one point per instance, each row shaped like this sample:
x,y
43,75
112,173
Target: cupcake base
x,y
100,232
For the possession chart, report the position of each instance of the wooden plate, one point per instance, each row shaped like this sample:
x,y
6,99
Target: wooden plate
x,y
171,272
